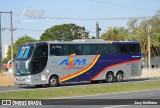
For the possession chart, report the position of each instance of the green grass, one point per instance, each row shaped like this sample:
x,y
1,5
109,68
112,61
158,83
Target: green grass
x,y
80,90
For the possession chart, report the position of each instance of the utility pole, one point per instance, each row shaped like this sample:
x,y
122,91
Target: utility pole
x,y
0,46
149,50
11,33
97,30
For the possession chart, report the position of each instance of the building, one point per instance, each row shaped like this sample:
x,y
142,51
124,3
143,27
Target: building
x,y
155,62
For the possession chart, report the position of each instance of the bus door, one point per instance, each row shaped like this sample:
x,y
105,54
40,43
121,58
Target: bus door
x,y
39,61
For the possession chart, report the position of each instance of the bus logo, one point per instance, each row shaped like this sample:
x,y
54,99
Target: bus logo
x,y
70,62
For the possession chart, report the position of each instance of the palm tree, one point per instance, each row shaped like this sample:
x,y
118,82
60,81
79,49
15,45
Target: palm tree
x,y
139,32
113,34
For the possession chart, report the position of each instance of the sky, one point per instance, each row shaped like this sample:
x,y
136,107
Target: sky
x,y
83,13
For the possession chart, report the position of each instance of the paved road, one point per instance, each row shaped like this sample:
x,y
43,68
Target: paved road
x,y
19,88
143,99
118,100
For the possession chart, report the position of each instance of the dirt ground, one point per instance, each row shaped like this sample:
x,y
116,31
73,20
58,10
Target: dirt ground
x,y
6,79
146,73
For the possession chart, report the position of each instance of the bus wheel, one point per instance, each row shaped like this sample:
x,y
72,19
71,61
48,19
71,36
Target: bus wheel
x,y
53,81
119,77
109,77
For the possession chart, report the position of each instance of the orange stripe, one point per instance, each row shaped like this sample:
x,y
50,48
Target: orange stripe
x,y
81,71
114,65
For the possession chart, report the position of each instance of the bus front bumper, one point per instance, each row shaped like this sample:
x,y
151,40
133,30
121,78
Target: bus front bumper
x,y
22,80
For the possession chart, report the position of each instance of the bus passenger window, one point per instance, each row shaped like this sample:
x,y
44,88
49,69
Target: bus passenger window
x,y
55,50
113,49
65,50
41,51
78,49
122,49
72,49
93,49
86,50
134,48
100,49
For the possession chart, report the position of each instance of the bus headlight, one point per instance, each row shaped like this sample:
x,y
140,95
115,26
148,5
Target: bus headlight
x,y
28,78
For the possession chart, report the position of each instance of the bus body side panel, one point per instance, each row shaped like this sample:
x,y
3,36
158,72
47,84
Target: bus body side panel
x,y
89,67
125,67
96,67
66,67
114,63
136,69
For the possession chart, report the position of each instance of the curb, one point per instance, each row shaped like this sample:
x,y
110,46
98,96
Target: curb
x,y
7,85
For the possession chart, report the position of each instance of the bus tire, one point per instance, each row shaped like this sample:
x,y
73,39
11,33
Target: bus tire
x,y
119,77
109,77
53,81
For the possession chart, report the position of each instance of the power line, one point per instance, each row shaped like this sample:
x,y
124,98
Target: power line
x,y
115,4
23,29
34,30
90,19
95,19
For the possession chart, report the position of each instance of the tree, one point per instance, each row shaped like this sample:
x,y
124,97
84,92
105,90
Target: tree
x,y
64,32
115,34
139,32
24,39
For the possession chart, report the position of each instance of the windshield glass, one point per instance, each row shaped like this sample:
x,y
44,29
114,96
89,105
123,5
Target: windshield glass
x,y
22,67
24,52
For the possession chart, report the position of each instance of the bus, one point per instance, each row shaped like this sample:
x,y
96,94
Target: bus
x,y
55,62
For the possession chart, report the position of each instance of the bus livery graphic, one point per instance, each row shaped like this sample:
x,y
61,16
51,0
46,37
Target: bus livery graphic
x,y
70,62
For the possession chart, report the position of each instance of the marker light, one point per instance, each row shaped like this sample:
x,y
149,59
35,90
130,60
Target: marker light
x,y
109,42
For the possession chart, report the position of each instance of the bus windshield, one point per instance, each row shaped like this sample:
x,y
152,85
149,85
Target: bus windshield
x,y
25,52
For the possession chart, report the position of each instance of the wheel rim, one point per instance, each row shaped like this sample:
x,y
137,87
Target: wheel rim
x,y
110,78
53,81
119,77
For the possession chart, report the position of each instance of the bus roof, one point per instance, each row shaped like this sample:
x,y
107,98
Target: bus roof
x,y
86,41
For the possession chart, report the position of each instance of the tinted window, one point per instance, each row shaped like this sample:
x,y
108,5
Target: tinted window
x,y
56,50
64,50
86,49
134,48
101,49
93,49
79,50
113,49
72,49
39,60
41,51
122,48
106,49
125,49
